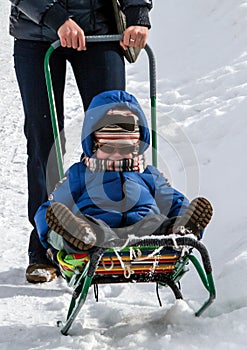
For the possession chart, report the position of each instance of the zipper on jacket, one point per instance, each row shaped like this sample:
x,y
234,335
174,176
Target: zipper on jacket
x,y
92,14
64,4
124,214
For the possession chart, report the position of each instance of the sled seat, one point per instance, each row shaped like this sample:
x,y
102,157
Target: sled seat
x,y
124,263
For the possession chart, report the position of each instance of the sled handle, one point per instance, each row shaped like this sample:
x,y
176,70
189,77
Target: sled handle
x,y
152,77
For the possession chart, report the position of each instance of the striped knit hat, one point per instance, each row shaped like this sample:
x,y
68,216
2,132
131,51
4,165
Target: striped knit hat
x,y
118,126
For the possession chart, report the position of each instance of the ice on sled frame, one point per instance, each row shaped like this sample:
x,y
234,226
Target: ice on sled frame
x,y
160,259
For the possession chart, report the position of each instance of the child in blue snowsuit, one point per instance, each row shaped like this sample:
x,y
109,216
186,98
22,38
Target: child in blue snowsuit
x,y
111,193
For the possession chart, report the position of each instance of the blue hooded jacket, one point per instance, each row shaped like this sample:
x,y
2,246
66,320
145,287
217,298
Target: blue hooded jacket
x,y
118,198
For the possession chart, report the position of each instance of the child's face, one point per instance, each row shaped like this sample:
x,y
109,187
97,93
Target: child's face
x,y
115,151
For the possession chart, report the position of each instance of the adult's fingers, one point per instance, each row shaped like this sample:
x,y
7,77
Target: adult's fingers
x,y
71,35
135,36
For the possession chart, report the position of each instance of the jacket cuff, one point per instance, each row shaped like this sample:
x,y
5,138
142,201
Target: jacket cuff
x,y
137,16
55,17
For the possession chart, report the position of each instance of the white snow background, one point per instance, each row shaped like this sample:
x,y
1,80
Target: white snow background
x,y
201,52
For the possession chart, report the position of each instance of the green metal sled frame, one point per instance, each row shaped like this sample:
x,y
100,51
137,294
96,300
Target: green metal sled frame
x,y
88,277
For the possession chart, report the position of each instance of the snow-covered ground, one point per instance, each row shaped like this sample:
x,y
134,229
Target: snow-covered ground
x,y
202,101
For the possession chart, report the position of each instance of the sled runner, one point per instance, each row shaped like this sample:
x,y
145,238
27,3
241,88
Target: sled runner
x,y
159,259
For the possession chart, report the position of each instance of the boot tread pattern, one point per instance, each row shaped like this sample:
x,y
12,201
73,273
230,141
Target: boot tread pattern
x,y
197,216
61,220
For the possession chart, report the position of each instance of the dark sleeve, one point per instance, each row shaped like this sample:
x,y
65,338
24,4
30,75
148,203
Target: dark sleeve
x,y
137,12
48,12
55,17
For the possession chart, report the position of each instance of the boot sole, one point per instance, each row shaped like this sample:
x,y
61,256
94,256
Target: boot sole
x,y
197,216
74,230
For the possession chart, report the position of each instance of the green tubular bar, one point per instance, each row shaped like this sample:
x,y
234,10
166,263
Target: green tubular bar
x,y
54,121
81,289
180,270
75,309
207,279
208,282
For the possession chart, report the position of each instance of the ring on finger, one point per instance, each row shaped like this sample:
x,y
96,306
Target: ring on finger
x,y
132,40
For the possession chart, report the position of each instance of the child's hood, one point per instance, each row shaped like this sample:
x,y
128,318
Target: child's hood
x,y
99,105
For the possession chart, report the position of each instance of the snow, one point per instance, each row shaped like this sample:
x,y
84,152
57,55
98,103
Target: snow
x,y
201,54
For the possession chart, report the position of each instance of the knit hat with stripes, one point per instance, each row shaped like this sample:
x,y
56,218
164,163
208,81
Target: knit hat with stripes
x,y
118,126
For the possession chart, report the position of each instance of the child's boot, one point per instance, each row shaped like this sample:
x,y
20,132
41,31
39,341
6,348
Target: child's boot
x,y
73,229
196,217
